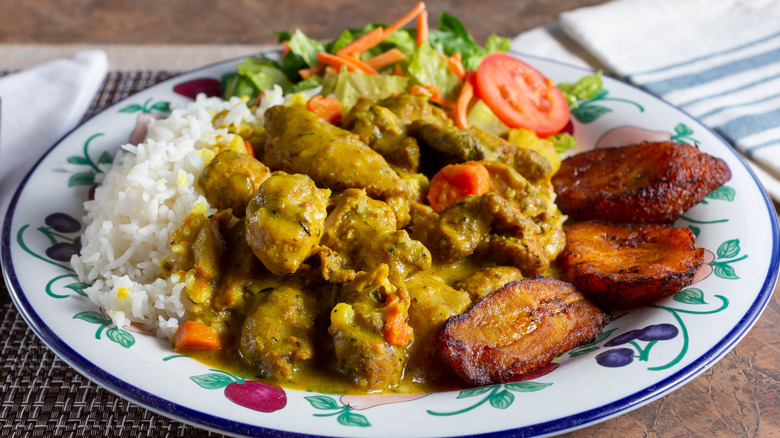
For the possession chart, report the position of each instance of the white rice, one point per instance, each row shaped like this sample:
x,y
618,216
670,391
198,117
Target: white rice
x,y
149,190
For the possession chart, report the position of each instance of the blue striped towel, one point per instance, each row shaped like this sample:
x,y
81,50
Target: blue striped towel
x,y
717,60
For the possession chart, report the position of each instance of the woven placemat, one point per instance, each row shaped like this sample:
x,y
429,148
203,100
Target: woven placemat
x,y
41,394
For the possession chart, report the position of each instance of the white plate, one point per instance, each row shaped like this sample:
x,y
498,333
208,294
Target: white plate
x,y
691,331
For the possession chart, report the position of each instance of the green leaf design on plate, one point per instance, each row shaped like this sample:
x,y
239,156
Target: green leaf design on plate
x,y
589,113
105,158
163,107
526,386
78,160
683,130
212,380
502,399
473,392
498,396
322,402
690,296
581,351
353,419
682,134
78,287
729,248
343,413
726,271
121,337
81,179
93,317
723,193
133,108
118,335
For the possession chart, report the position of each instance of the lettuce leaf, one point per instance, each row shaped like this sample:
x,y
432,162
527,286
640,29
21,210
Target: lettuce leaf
x,y
263,73
586,88
237,85
348,87
427,67
563,142
452,37
305,47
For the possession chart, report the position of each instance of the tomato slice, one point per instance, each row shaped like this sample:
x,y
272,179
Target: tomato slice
x,y
520,95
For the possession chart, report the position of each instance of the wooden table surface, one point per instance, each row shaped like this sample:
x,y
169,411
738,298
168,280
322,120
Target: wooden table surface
x,y
737,397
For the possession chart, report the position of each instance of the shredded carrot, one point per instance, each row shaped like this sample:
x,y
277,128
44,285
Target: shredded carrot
x,y
403,21
399,71
193,335
396,329
331,69
376,36
455,181
433,94
422,27
386,58
285,48
464,99
437,98
327,108
250,150
365,42
310,71
338,61
362,65
419,90
456,65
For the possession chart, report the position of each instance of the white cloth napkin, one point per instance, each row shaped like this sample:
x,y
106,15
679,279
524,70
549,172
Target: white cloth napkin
x,y
39,106
717,60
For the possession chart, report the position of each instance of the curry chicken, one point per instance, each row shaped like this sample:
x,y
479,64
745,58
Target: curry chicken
x,y
327,268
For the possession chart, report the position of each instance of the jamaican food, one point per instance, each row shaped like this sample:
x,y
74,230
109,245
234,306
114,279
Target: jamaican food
x,y
376,214
652,182
618,265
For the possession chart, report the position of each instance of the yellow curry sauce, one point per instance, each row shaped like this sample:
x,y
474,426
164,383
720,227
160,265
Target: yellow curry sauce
x,y
324,268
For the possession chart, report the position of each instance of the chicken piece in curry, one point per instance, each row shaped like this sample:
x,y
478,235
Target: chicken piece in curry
x,y
325,269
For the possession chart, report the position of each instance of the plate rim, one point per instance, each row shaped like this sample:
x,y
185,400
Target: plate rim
x,y
207,421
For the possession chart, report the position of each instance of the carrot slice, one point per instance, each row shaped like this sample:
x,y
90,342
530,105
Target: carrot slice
x,y
396,329
327,108
311,71
455,181
386,58
193,335
419,90
456,65
250,150
464,99
437,97
365,42
422,27
403,21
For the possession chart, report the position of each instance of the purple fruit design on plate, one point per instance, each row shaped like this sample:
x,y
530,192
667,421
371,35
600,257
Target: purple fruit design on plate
x,y
251,394
620,357
210,87
62,247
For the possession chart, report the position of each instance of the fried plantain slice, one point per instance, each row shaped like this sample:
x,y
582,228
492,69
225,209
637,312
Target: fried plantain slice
x,y
646,182
517,329
619,265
